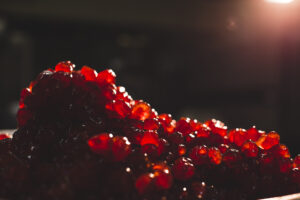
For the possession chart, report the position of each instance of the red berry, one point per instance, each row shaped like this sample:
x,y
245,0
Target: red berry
x,y
183,169
120,148
268,141
65,66
144,183
199,155
89,73
106,77
151,124
141,111
250,149
101,143
215,156
237,136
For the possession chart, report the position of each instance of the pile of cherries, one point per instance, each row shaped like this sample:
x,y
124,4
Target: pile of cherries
x,y
80,136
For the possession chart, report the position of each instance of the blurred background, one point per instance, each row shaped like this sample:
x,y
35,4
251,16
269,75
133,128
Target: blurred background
x,y
237,61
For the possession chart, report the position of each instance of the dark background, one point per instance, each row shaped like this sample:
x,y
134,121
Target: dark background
x,y
237,61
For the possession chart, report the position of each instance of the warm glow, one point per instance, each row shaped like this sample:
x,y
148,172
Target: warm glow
x,y
279,1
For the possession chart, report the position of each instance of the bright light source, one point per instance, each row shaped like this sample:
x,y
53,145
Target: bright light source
x,y
279,1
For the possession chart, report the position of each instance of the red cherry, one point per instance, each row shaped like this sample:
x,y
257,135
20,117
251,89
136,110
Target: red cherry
x,y
165,119
215,156
89,73
140,111
106,77
65,66
183,169
101,143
